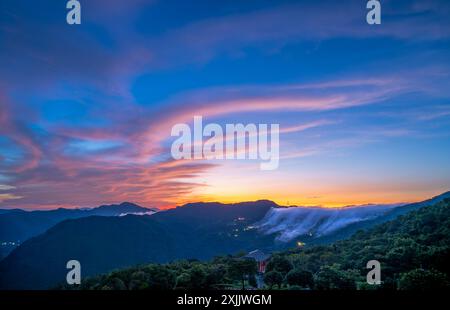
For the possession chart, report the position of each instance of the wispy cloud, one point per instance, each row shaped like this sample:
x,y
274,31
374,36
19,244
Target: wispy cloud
x,y
73,131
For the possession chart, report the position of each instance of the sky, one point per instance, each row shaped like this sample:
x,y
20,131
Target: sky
x,y
86,110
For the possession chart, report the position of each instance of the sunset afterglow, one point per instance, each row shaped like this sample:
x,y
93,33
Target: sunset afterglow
x,y
86,111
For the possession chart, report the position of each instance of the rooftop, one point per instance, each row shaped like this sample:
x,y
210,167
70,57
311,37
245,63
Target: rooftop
x,y
258,255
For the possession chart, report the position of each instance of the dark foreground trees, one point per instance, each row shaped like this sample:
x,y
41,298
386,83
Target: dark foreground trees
x,y
420,279
301,278
242,269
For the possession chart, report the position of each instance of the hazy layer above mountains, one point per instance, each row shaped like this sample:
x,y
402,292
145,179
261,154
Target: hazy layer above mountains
x,y
321,225
289,223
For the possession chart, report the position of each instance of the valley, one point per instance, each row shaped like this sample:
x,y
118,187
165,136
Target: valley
x,y
194,231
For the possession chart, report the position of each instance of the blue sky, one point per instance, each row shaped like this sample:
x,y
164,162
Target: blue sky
x,y
86,110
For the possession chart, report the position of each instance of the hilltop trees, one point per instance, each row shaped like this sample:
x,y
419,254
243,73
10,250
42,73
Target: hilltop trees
x,y
420,279
272,278
301,278
242,268
279,263
335,278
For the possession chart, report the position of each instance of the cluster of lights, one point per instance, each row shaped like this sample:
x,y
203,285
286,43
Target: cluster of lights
x,y
10,243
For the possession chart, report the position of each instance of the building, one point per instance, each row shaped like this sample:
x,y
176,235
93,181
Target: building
x,y
261,258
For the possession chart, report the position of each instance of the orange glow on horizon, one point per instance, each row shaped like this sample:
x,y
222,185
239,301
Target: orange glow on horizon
x,y
337,201
325,199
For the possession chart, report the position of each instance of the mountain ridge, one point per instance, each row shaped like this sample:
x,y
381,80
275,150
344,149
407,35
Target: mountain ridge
x,y
18,225
199,231
102,243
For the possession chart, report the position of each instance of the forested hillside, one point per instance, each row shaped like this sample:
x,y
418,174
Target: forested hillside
x,y
414,251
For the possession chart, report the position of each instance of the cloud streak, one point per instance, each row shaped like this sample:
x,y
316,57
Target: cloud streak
x,y
74,131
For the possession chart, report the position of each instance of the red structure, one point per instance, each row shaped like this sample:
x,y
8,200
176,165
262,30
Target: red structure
x,y
261,258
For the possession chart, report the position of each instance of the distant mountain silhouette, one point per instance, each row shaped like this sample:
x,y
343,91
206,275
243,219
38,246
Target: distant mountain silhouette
x,y
18,225
198,230
4,211
103,243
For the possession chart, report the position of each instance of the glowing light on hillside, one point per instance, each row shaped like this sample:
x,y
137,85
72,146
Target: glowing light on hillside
x,y
300,244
